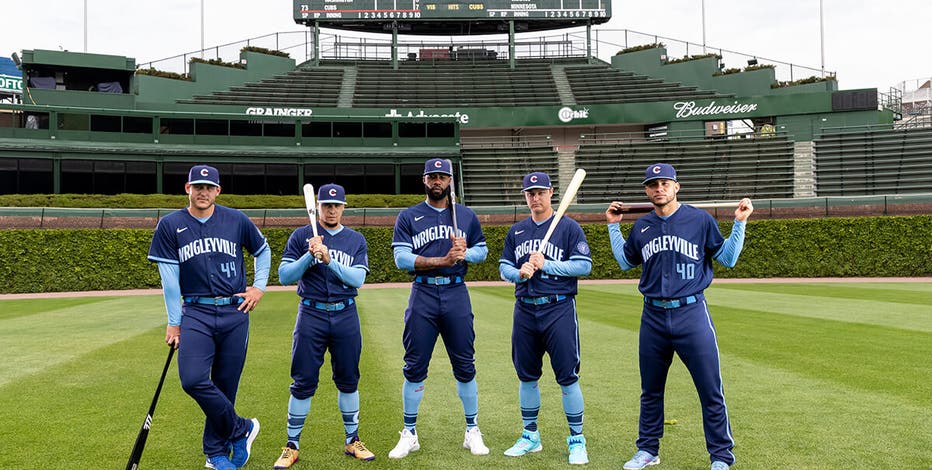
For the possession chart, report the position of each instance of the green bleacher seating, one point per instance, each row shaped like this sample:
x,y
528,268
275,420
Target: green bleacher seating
x,y
707,169
865,163
492,175
598,83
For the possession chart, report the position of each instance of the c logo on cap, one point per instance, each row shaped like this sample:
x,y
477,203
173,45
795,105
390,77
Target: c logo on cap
x,y
533,178
204,172
438,164
655,169
332,192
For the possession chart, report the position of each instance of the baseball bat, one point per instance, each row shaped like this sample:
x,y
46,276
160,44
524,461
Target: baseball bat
x,y
647,207
310,202
136,454
456,230
568,195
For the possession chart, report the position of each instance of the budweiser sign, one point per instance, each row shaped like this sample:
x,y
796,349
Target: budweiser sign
x,y
686,109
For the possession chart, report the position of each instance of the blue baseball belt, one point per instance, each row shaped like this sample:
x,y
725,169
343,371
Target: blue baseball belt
x,y
215,301
438,280
547,299
671,303
328,306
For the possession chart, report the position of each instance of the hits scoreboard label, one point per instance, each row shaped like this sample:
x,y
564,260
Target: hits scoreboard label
x,y
375,10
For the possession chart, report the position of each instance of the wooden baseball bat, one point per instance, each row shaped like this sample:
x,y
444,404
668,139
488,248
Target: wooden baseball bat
x,y
140,444
647,207
310,202
568,195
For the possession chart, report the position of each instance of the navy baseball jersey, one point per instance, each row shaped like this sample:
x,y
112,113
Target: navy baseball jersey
x,y
676,252
209,254
568,242
348,247
427,232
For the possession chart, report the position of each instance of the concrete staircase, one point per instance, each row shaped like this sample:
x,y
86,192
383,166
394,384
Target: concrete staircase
x,y
563,85
348,88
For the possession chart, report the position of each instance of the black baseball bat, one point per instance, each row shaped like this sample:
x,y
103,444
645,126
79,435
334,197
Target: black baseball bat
x,y
134,457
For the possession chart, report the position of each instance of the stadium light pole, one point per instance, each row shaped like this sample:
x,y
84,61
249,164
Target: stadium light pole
x,y
822,37
202,29
703,26
85,26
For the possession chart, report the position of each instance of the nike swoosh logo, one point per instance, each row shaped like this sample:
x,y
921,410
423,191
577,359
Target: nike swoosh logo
x,y
418,218
179,230
519,232
645,229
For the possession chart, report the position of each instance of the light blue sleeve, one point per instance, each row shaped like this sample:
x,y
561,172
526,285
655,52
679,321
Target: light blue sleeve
x,y
352,276
568,268
404,257
618,246
728,254
510,273
476,254
289,272
263,265
171,290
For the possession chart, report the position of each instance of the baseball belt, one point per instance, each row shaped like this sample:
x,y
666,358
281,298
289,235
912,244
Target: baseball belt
x,y
328,306
215,301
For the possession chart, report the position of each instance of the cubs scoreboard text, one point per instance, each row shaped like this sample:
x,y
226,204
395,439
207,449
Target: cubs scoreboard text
x,y
433,10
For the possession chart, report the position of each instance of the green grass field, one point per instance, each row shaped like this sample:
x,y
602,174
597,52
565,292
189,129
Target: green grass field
x,y
821,375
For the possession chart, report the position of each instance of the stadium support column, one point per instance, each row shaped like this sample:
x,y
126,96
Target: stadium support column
x,y
589,41
511,44
316,29
394,45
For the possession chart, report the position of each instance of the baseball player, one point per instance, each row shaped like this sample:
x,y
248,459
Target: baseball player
x,y
199,251
328,269
545,279
675,245
424,244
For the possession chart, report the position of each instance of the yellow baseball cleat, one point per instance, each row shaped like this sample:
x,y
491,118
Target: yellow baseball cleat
x,y
358,449
288,458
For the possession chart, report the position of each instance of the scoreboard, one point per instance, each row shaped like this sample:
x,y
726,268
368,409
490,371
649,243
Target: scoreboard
x,y
547,14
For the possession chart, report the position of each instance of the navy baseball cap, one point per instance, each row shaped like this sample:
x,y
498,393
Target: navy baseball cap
x,y
331,193
659,171
438,165
203,174
536,180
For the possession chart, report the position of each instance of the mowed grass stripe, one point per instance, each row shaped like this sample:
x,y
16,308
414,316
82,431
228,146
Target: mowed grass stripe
x,y
46,333
86,410
904,293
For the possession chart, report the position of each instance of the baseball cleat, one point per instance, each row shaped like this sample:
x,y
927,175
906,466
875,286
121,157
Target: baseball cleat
x,y
641,459
243,446
288,458
527,443
577,448
220,462
406,444
719,465
357,449
473,441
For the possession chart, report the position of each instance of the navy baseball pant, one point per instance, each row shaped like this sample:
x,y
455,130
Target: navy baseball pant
x,y
689,332
550,328
211,357
315,332
439,310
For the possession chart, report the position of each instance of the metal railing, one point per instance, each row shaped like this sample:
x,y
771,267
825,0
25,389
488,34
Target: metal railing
x,y
605,44
814,207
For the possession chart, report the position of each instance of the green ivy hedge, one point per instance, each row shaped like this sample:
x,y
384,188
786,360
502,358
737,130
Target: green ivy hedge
x,y
89,259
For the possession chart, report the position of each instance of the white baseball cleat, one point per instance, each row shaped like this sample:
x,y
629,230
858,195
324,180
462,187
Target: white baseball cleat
x,y
473,441
406,444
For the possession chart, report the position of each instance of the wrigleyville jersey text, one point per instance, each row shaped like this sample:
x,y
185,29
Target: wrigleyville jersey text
x,y
348,247
568,242
427,232
676,253
210,254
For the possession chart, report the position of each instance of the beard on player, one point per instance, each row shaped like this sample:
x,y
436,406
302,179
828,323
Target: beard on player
x,y
436,193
